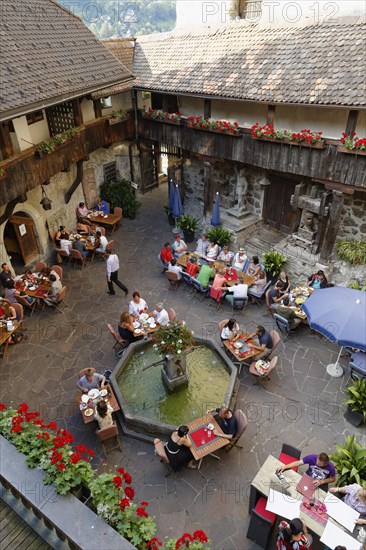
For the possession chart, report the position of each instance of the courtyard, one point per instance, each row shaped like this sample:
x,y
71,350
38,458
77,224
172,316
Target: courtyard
x,y
300,404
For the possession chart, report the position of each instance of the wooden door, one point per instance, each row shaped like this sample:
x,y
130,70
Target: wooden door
x,y
277,210
24,232
148,165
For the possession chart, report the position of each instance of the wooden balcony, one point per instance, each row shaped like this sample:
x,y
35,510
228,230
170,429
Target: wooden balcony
x,y
326,164
24,172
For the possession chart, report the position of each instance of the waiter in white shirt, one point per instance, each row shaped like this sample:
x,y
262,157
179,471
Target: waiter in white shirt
x,y
112,273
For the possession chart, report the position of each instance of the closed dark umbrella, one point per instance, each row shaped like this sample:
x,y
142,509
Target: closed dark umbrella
x,y
177,205
171,195
338,313
216,220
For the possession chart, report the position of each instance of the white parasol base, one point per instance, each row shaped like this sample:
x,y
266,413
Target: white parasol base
x,y
335,370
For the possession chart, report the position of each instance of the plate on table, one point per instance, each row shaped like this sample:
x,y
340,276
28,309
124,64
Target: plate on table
x,y
32,287
144,316
136,324
104,392
238,345
93,393
89,412
151,320
300,301
210,426
85,398
153,325
137,331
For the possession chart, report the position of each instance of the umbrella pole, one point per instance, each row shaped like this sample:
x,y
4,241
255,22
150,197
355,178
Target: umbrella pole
x,y
335,369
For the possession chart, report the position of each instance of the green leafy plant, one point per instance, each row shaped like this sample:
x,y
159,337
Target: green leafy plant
x,y
167,211
273,262
174,338
350,462
357,397
47,147
122,114
222,126
357,286
159,114
120,193
353,142
188,223
352,252
222,236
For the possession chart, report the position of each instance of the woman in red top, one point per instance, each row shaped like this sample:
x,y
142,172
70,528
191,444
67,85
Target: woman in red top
x,y
166,255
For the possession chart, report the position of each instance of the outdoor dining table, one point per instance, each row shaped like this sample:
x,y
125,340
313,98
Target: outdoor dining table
x,y
110,220
111,400
42,287
203,443
6,334
241,357
145,328
90,247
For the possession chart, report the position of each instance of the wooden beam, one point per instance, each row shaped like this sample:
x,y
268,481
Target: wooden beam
x,y
9,209
352,121
78,115
77,181
271,114
207,108
6,145
97,108
335,214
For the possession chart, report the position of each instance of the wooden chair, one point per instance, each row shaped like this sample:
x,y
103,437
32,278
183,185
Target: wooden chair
x,y
161,453
118,211
172,315
58,269
40,266
25,304
63,254
270,310
119,341
173,280
242,426
60,300
19,311
239,304
53,236
102,230
78,257
105,434
276,339
255,297
263,377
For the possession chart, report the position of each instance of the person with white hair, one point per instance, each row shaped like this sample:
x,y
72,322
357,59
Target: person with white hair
x,y
161,315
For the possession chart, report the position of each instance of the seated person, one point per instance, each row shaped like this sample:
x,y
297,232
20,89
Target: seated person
x,y
101,242
212,251
174,268
319,468
254,267
61,234
219,281
11,293
179,246
65,245
126,328
6,274
287,313
283,283
240,259
257,288
45,272
29,276
90,381
206,273
166,255
80,246
236,291
83,229
7,312
103,415
228,422
137,305
202,245
317,280
178,449
265,342
161,315
102,206
56,287
293,535
274,297
226,255
355,498
192,266
82,214
231,330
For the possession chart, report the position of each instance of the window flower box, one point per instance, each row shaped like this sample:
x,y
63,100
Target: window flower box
x,y
216,126
117,117
50,146
317,145
343,149
162,116
305,138
352,144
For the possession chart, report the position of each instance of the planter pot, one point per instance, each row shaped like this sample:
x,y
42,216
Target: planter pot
x,y
189,236
116,120
343,149
223,133
317,145
353,417
271,277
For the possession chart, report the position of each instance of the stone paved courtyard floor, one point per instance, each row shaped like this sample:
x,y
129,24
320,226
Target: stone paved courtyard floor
x,y
300,405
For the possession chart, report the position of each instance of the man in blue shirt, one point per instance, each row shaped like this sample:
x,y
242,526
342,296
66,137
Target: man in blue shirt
x,y
103,206
265,342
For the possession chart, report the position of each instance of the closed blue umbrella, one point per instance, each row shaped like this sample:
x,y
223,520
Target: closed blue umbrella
x,y
338,313
171,195
216,220
177,209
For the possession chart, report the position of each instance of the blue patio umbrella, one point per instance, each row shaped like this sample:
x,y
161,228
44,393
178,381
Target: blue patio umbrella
x,y
215,220
177,205
338,313
171,195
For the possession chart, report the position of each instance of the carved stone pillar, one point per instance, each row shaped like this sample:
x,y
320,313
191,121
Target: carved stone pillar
x,y
335,211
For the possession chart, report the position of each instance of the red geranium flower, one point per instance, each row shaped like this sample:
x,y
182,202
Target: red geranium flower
x,y
75,458
141,512
153,544
61,466
129,492
51,425
121,470
200,535
117,480
124,503
144,503
23,408
127,478
2,407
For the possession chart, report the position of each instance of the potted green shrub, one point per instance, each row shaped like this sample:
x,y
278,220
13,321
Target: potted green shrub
x,y
222,236
188,224
356,411
273,263
352,252
350,462
169,213
120,193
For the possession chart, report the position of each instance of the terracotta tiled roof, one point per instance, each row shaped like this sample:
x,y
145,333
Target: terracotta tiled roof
x,y
316,64
123,49
49,56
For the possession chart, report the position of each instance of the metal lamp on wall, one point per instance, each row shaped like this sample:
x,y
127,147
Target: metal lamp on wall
x,y
45,202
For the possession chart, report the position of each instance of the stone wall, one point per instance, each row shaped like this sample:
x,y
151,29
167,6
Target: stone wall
x,y
353,224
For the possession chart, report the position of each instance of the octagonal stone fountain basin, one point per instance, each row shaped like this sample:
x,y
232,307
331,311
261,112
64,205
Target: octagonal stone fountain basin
x,y
149,408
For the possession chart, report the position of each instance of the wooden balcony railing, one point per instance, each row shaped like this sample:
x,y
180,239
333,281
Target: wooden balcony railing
x,y
24,172
327,164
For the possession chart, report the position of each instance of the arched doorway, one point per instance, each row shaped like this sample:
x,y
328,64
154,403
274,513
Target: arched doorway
x,y
20,240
